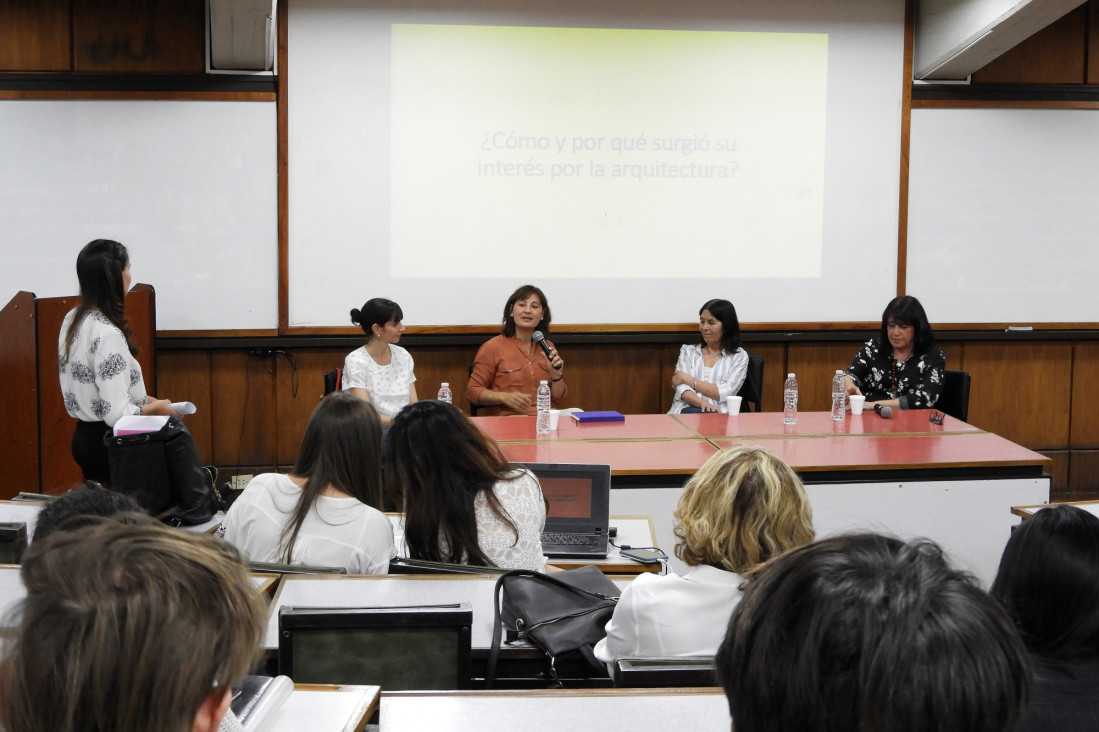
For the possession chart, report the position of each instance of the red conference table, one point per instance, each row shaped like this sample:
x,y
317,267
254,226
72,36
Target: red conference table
x,y
954,482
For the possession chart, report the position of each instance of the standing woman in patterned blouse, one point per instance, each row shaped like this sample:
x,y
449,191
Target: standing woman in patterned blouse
x,y
100,378
901,368
463,502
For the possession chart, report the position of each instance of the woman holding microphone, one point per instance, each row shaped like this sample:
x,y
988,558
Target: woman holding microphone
x,y
507,368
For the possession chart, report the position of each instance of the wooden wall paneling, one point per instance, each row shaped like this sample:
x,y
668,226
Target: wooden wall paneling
x,y
774,372
1084,425
436,364
1054,55
146,36
1059,473
19,397
668,353
1083,476
141,312
294,408
35,35
185,376
57,469
1092,72
1021,391
815,364
245,409
620,377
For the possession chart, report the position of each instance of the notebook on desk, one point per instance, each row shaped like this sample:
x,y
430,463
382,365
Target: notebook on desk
x,y
578,516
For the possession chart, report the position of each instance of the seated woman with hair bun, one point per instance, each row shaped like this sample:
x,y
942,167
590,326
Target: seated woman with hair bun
x,y
742,508
381,372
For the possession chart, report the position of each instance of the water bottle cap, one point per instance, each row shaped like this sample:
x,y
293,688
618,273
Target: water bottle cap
x,y
788,376
446,385
543,381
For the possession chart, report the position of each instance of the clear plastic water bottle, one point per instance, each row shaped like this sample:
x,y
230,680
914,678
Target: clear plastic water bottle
x,y
839,396
445,395
790,400
543,427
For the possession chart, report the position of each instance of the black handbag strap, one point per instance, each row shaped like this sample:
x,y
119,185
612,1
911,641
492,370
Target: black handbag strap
x,y
497,625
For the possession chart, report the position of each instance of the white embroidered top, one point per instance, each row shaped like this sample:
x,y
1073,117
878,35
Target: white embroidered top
x,y
522,500
388,385
100,380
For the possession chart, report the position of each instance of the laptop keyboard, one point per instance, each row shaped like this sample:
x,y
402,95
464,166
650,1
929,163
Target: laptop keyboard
x,y
570,539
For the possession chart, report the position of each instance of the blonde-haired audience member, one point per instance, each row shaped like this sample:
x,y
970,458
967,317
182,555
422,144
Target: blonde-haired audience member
x,y
742,508
128,627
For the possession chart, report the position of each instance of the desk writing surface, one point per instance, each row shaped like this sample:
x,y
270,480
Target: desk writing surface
x,y
11,591
1091,507
21,511
629,710
633,427
667,457
327,708
814,424
389,591
878,452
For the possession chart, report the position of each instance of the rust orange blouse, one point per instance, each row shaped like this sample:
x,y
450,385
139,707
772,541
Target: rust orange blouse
x,y
502,364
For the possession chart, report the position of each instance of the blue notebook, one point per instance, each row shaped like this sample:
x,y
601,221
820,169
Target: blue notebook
x,y
583,417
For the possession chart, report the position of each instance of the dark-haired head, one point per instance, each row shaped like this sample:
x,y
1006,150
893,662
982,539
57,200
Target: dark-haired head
x,y
342,449
522,293
81,507
725,313
866,633
376,312
100,268
907,310
436,463
1049,583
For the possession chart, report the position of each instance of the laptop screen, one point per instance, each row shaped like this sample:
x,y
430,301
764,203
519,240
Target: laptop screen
x,y
578,495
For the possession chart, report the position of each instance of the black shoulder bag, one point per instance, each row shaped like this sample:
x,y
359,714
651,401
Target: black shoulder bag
x,y
163,473
559,613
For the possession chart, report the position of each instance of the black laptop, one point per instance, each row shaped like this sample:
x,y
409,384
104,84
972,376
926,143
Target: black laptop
x,y
579,499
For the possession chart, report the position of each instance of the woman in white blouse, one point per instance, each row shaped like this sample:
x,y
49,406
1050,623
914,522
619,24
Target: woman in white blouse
x,y
101,380
709,372
325,512
464,503
380,372
742,508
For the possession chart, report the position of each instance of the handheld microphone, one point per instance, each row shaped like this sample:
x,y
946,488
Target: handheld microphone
x,y
884,411
541,341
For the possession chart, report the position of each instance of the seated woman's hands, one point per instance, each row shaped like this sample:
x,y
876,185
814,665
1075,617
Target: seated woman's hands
x,y
682,377
852,388
514,400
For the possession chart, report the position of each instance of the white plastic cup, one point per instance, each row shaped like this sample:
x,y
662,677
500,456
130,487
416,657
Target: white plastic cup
x,y
856,401
555,415
733,402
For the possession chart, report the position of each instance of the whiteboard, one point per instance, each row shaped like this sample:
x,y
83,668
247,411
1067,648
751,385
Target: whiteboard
x,y
1003,223
190,187
341,201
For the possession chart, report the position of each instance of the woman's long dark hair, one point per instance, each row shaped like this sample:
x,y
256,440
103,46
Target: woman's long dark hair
x,y
342,449
1048,582
376,311
725,313
438,462
907,310
99,269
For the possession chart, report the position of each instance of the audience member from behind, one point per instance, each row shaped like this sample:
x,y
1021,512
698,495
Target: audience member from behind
x,y
743,507
464,503
1049,584
507,368
867,633
707,373
381,372
901,367
81,507
325,512
101,380
128,628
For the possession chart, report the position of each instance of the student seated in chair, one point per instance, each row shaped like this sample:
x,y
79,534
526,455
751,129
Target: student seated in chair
x,y
128,628
743,507
866,633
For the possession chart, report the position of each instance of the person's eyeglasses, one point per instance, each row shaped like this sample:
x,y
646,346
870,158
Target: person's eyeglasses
x,y
936,417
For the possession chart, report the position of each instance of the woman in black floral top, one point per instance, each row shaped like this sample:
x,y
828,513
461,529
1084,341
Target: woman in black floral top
x,y
901,368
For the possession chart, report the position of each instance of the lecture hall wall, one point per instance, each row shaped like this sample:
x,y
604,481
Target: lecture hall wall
x,y
1039,389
